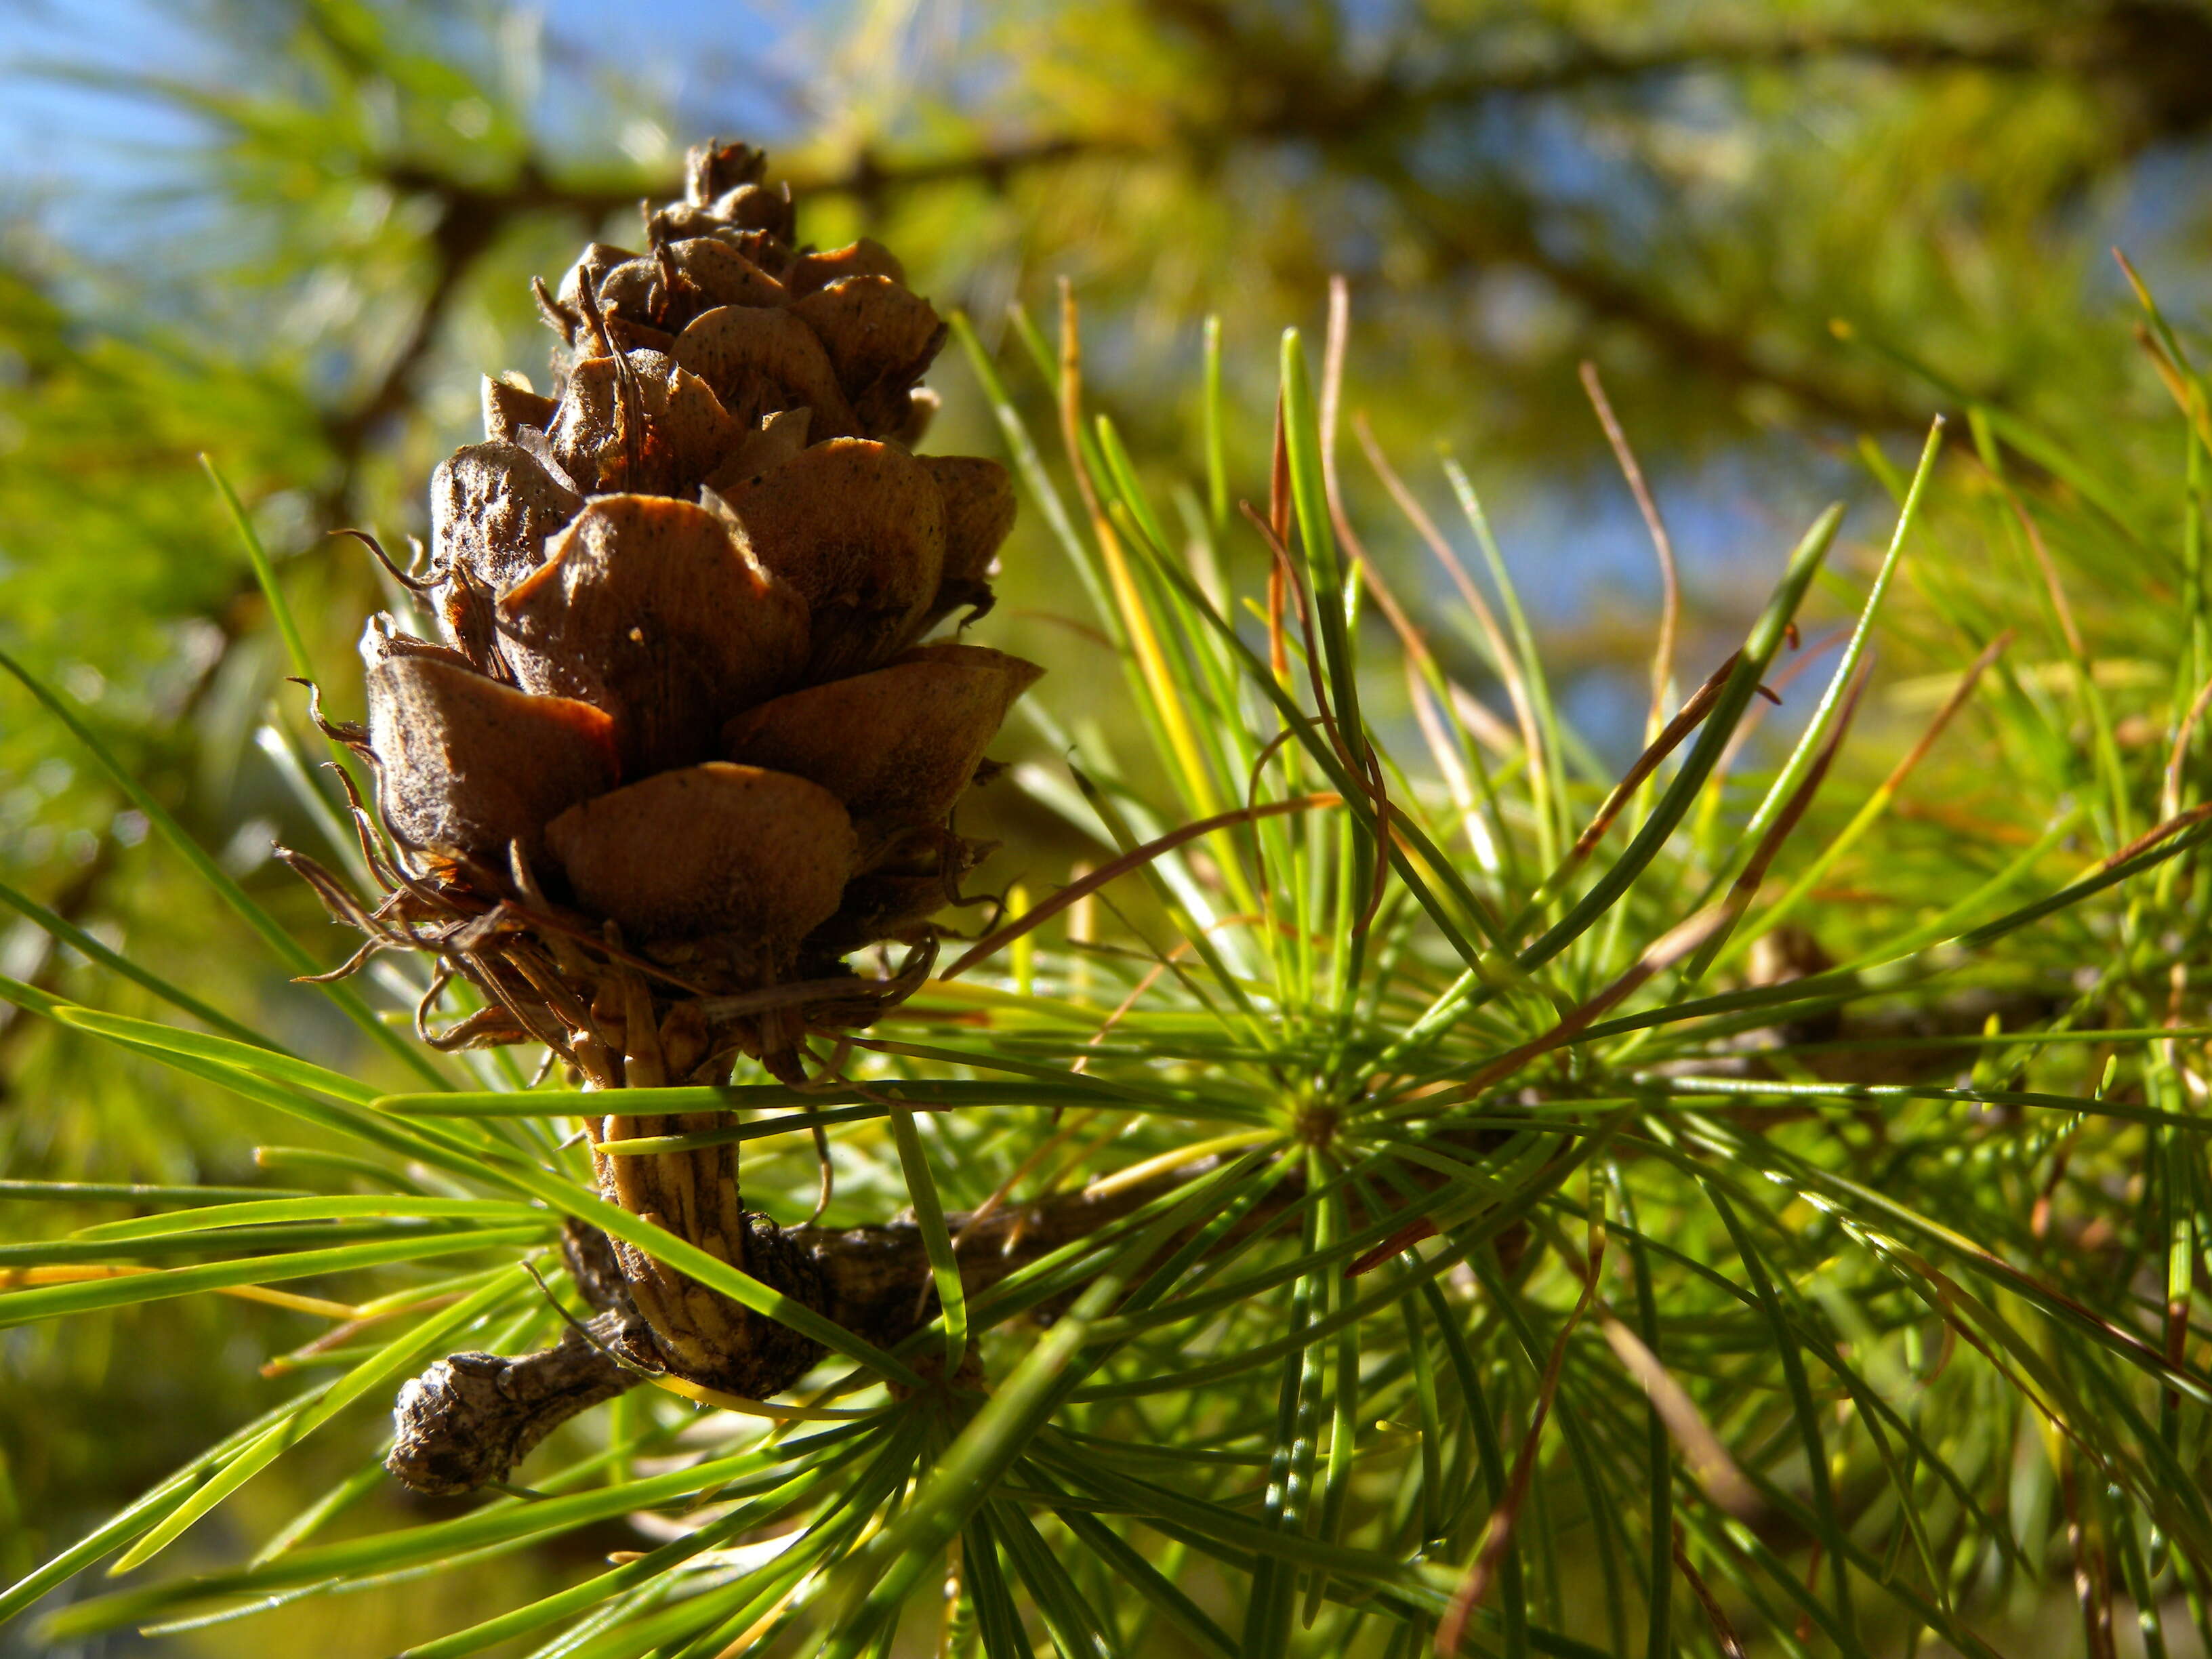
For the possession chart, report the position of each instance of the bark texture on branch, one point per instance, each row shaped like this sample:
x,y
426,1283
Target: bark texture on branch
x,y
470,1418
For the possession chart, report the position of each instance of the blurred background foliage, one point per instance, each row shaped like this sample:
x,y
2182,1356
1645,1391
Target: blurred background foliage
x,y
292,233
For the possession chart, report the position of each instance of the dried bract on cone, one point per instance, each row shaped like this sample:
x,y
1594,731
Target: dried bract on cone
x,y
682,746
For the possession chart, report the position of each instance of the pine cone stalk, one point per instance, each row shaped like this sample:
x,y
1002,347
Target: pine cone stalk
x,y
684,743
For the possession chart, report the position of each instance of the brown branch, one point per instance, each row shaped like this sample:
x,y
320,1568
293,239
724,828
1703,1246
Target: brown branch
x,y
1506,234
470,1418
870,179
2146,53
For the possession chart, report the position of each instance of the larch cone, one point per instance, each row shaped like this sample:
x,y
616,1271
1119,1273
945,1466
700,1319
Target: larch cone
x,y
682,746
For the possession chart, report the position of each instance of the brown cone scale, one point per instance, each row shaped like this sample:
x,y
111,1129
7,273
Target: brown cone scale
x,y
646,608
857,528
710,849
469,765
899,745
640,422
760,362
